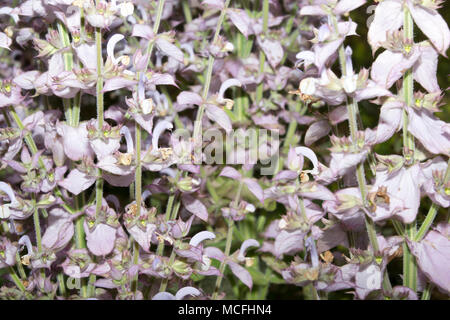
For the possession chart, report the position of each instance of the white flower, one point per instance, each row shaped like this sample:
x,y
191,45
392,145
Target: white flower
x,y
126,9
308,86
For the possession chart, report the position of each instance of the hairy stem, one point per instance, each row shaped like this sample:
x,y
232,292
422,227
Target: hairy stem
x,y
100,119
222,264
186,10
173,216
80,243
228,243
426,294
352,111
409,262
138,138
68,66
262,56
16,279
201,110
160,248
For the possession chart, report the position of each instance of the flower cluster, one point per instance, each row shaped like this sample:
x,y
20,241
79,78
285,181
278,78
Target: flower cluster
x,y
133,164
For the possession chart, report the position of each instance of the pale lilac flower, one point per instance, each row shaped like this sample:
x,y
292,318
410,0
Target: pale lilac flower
x,y
395,194
432,255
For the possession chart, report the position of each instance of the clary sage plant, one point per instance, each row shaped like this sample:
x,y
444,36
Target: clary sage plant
x,y
217,149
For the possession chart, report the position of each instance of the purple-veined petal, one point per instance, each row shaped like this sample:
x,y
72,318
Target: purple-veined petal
x,y
429,130
425,69
117,83
241,273
143,31
367,279
218,115
195,206
316,131
345,6
287,242
77,181
187,97
5,41
390,120
286,175
101,240
187,291
433,258
169,49
241,20
230,172
432,25
163,296
312,11
215,253
255,188
388,17
390,66
272,49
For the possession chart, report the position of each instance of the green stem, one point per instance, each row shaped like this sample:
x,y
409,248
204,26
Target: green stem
x,y
408,88
201,110
160,248
398,228
28,138
138,197
80,243
16,279
150,45
134,282
76,110
138,138
222,264
228,243
91,285
176,118
99,87
22,273
138,174
426,294
352,111
165,281
310,292
61,286
186,10
409,262
33,148
68,66
292,128
262,56
100,119
173,216
360,174
175,210
37,226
